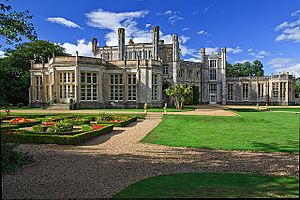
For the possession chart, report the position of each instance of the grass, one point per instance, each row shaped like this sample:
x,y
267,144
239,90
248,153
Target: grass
x,y
251,131
212,185
286,109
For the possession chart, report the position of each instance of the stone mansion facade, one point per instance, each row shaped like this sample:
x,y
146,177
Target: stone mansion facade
x,y
129,75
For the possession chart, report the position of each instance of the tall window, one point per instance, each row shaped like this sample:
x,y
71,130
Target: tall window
x,y
245,91
213,63
89,86
190,74
38,87
131,84
260,91
116,87
230,92
213,88
275,89
213,74
180,73
165,70
282,90
154,87
66,84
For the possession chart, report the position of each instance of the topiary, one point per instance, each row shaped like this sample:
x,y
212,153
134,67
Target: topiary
x,y
105,117
60,127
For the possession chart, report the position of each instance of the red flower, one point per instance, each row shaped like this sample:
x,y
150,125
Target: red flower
x,y
96,127
115,120
48,123
53,119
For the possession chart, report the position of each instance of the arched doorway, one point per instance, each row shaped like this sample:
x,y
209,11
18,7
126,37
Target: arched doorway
x,y
165,86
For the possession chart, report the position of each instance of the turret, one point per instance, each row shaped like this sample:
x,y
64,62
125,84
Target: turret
x,y
223,71
94,46
202,55
155,42
121,43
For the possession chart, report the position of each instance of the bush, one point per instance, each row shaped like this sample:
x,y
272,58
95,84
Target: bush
x,y
105,117
60,127
77,121
86,128
11,159
20,105
39,129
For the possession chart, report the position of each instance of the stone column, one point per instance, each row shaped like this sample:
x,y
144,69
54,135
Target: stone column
x,y
155,42
176,57
223,72
94,46
121,43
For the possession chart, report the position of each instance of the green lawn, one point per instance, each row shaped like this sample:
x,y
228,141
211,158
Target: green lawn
x,y
286,109
211,185
251,131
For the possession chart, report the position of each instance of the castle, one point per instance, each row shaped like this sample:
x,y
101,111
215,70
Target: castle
x,y
129,75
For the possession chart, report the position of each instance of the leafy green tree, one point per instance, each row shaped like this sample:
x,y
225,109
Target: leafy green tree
x,y
229,70
15,24
180,94
297,87
248,69
257,67
14,68
239,70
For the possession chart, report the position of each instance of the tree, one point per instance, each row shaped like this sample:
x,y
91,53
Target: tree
x,y
14,69
297,87
257,67
15,24
229,70
248,69
180,94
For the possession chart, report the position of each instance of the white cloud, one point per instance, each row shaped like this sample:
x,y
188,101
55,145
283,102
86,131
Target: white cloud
x,y
285,65
289,31
84,48
2,54
192,60
234,50
184,39
185,29
258,54
173,16
296,13
147,25
64,22
202,32
242,61
210,50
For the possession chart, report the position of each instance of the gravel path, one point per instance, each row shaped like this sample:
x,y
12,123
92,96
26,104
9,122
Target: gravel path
x,y
105,165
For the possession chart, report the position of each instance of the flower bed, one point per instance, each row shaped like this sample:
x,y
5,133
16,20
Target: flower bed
x,y
24,136
19,122
118,122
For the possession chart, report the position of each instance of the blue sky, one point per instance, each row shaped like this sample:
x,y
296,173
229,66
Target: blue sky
x,y
267,30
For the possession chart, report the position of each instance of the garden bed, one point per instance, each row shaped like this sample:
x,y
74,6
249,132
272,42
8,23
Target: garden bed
x,y
25,136
118,122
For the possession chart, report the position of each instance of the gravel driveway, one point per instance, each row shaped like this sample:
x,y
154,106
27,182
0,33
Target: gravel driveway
x,y
105,165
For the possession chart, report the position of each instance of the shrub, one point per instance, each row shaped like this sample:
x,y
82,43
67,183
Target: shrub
x,y
20,105
39,129
60,127
86,128
105,117
11,159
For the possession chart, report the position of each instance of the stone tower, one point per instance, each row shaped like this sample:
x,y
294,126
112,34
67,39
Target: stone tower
x,y
223,75
155,41
202,55
121,43
94,46
176,57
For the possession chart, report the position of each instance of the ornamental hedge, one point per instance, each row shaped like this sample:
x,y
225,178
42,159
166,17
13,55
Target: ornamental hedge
x,y
23,136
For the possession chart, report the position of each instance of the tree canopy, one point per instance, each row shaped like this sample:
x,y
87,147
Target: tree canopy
x,y
180,94
15,66
245,69
15,24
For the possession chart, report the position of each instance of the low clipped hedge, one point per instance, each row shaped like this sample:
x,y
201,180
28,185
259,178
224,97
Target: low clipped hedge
x,y
78,122
31,137
119,124
15,126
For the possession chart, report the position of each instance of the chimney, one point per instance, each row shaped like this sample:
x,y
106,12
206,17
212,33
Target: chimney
x,y
121,43
94,46
155,42
130,42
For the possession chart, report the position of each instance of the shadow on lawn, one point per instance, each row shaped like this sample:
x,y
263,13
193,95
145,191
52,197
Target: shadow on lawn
x,y
291,147
100,173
